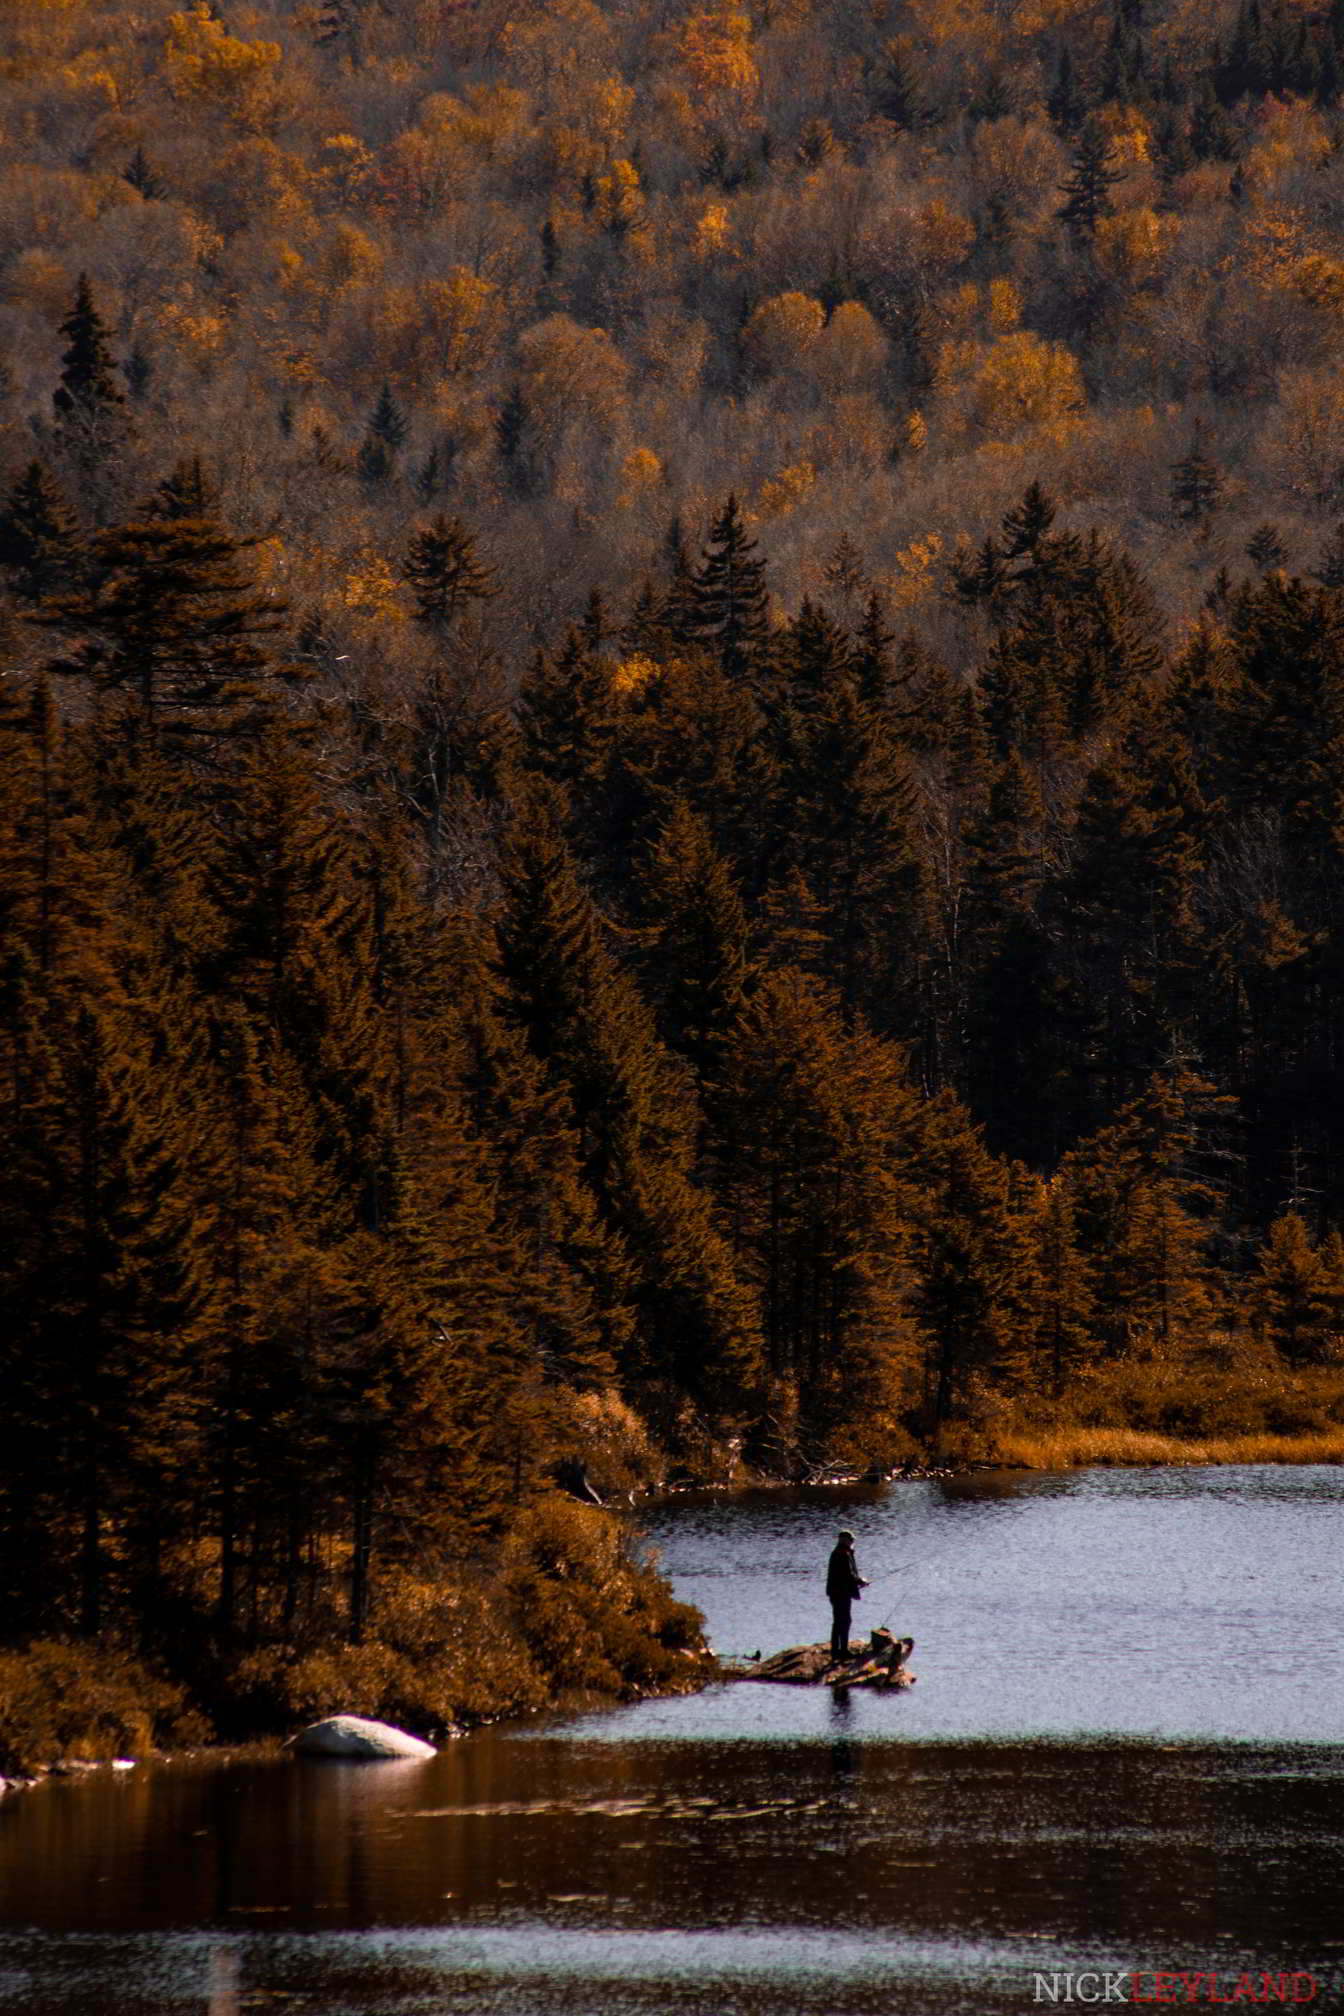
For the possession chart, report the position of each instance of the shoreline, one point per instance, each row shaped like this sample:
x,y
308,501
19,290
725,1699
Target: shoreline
x,y
271,1745
1014,1450
1022,1449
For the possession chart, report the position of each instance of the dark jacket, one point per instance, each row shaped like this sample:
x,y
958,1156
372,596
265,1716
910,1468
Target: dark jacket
x,y
842,1575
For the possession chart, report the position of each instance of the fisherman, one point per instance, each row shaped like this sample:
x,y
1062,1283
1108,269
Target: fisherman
x,y
843,1585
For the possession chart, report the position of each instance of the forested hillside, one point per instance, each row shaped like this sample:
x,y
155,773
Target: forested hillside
x,y
673,727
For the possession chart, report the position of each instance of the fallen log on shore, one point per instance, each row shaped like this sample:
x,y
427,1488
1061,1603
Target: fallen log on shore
x,y
879,1663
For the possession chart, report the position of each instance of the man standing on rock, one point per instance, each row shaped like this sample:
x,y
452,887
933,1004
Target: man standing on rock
x,y
843,1585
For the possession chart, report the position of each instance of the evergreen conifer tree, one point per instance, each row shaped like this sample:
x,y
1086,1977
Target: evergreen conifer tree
x,y
1196,486
1265,548
92,423
1066,102
143,177
39,539
731,606
445,574
1291,1307
384,440
898,96
186,493
585,1021
87,394
512,432
175,632
819,1194
695,941
1087,192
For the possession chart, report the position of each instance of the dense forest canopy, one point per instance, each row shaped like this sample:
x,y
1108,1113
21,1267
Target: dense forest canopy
x,y
672,731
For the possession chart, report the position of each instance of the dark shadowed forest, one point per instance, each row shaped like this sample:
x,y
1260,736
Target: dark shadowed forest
x,y
671,798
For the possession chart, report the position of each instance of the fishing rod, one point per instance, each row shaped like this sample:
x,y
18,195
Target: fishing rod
x,y
876,1581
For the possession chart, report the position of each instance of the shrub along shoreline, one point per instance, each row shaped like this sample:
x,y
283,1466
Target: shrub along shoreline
x,y
565,1605
567,1609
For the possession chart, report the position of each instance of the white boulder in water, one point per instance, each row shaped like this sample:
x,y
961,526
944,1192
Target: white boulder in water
x,y
356,1736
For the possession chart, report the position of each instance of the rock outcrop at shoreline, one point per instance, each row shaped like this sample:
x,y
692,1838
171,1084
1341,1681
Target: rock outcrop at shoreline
x,y
355,1736
880,1663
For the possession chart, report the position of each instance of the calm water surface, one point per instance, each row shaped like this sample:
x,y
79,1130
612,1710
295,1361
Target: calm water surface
x,y
1125,1751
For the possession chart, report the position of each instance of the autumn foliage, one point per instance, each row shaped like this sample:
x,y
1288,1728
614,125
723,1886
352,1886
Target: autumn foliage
x,y
672,708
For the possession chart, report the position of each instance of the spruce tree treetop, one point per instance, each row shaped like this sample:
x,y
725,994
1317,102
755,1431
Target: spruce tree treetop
x,y
1066,103
186,493
445,574
175,627
387,422
732,609
38,536
87,383
1196,486
1087,192
1027,525
141,176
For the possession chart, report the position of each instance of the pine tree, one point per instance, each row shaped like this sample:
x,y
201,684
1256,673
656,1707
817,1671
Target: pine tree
x,y
271,1214
141,176
445,574
1065,1338
975,1297
571,1280
384,440
1147,1193
1087,192
878,679
1026,528
586,1023
677,610
1066,101
429,479
1265,549
567,720
88,393
39,539
732,611
512,435
187,493
92,424
1288,713
1124,68
695,942
843,572
387,422
118,1286
980,577
1213,137
1290,1302
1175,154
1005,855
821,1123
1125,911
175,631
851,795
897,96
1195,484
138,371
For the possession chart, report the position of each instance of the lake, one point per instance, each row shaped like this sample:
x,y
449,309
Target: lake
x,y
1124,1757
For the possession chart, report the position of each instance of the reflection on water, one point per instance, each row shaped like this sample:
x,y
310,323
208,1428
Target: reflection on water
x,y
1152,1603
781,1852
